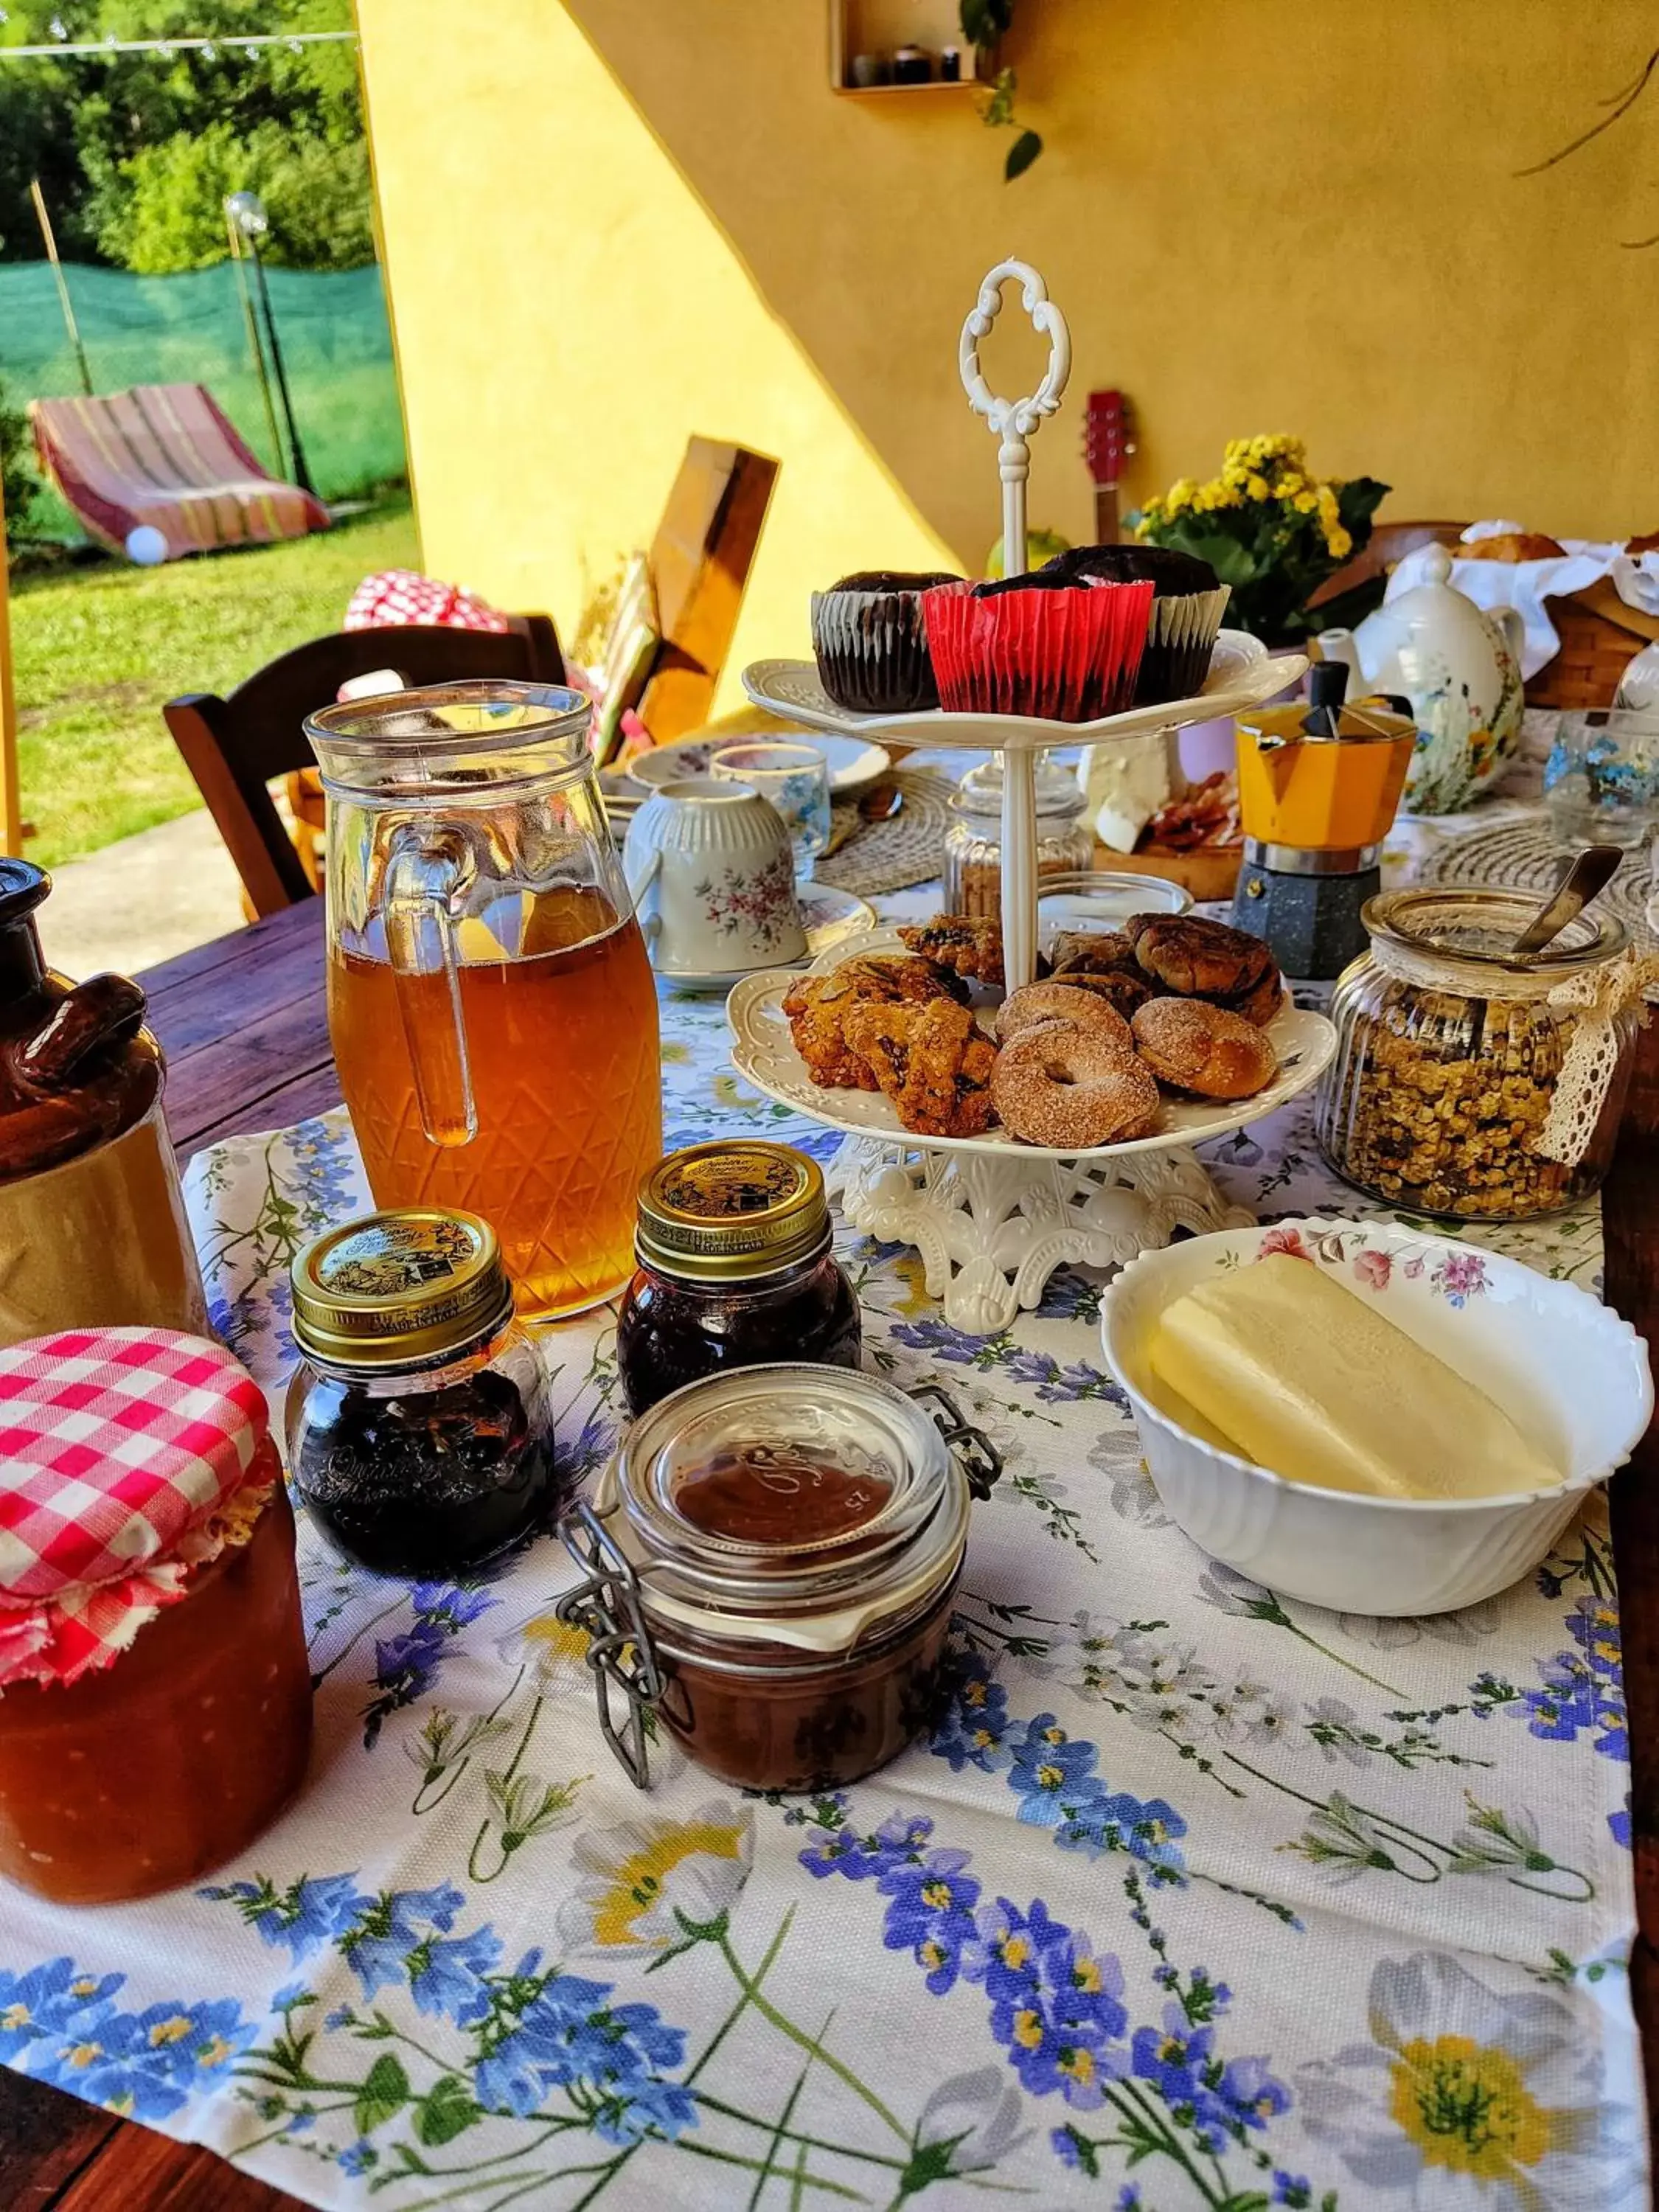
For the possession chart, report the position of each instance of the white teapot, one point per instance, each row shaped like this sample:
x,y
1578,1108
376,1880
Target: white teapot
x,y
1460,666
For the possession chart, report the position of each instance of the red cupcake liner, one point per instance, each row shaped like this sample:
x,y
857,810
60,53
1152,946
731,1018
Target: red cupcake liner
x,y
1065,656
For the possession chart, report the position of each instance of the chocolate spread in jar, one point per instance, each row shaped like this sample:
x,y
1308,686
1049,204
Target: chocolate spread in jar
x,y
779,1494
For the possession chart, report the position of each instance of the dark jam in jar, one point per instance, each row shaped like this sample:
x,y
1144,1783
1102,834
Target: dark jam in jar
x,y
778,1494
418,1426
772,1556
736,1270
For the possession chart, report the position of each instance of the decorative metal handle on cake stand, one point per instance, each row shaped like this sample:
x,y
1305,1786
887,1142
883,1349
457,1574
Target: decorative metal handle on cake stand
x,y
1015,422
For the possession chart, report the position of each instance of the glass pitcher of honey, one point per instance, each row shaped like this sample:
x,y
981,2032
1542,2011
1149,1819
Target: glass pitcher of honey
x,y
492,1009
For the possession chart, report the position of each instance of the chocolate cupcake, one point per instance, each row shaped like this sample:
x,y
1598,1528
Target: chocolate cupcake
x,y
870,642
1063,649
1188,605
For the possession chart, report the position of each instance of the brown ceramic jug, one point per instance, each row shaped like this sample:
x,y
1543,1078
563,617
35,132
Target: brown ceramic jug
x,y
93,1231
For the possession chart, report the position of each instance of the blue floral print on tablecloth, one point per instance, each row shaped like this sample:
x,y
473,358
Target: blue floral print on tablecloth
x,y
1196,1896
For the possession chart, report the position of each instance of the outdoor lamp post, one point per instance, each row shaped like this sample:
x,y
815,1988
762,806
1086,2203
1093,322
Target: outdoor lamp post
x,y
246,211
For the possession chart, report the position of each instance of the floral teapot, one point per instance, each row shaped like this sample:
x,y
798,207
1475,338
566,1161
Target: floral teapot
x,y
1459,666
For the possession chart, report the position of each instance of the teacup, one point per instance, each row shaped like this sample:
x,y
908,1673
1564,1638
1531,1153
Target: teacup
x,y
710,870
795,778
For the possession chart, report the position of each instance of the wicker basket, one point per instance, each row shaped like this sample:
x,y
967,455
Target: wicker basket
x,y
1595,648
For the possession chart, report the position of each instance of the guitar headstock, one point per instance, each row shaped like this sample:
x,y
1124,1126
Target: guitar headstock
x,y
1107,437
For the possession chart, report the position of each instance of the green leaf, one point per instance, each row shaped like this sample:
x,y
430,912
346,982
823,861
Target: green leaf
x,y
445,2111
384,2092
984,21
1021,154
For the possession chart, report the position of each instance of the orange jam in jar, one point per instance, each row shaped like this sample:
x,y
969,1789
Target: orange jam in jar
x,y
155,1688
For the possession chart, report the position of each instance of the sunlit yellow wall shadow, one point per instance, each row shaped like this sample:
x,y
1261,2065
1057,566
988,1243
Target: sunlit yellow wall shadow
x,y
610,222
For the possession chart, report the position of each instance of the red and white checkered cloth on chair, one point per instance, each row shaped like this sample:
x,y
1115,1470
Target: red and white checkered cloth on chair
x,y
117,1447
393,598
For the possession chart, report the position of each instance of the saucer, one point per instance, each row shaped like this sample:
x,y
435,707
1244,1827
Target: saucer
x,y
855,763
829,917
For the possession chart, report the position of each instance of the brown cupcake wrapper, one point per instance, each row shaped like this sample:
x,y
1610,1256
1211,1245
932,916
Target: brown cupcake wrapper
x,y
872,651
1180,639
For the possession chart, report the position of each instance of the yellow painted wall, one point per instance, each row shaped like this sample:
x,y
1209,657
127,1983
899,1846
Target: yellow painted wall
x,y
612,222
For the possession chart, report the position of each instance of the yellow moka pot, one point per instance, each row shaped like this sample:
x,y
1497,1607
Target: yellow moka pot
x,y
1319,784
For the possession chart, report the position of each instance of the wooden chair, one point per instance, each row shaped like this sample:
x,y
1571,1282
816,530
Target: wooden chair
x,y
235,747
700,561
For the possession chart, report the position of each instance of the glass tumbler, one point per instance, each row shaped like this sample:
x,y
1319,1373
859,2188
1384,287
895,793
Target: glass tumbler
x,y
1601,779
795,778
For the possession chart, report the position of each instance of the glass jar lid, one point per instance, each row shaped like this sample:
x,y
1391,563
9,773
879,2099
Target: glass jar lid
x,y
1460,934
792,1504
1058,791
395,1289
730,1211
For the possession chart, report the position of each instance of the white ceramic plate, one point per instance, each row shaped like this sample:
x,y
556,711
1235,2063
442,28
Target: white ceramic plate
x,y
830,918
854,762
764,1052
1242,675
1566,1369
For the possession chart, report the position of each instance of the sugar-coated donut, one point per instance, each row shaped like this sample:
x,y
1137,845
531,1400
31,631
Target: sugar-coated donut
x,y
1062,1085
1060,1002
1193,1046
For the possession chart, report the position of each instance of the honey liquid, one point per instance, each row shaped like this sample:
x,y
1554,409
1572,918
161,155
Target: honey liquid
x,y
562,1053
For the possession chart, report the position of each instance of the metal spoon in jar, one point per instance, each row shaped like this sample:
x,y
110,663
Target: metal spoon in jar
x,y
1586,876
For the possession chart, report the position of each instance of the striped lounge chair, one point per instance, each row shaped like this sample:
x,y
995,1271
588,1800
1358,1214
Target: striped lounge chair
x,y
165,454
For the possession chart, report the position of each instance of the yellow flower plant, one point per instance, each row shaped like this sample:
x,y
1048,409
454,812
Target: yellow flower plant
x,y
1270,528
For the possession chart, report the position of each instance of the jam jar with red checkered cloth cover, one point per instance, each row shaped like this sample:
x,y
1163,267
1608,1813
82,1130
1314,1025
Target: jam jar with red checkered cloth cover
x,y
155,1689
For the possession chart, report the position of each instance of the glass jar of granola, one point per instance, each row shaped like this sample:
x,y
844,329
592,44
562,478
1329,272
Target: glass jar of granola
x,y
1442,1097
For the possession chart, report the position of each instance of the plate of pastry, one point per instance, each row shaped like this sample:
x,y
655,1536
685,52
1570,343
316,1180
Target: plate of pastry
x,y
1169,1031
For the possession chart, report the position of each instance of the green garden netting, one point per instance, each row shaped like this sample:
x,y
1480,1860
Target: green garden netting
x,y
336,342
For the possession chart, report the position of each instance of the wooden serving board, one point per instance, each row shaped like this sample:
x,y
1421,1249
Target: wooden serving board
x,y
1209,872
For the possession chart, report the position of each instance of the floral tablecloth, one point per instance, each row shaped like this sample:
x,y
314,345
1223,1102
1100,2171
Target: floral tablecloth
x,y
1196,1899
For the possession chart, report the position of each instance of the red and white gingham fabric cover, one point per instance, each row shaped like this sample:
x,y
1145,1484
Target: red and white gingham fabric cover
x,y
394,597
117,1447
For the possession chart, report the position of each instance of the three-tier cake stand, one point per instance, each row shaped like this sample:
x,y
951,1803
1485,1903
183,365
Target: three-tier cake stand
x,y
993,1217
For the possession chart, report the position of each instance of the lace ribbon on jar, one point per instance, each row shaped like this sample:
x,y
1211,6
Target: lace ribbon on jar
x,y
1597,1000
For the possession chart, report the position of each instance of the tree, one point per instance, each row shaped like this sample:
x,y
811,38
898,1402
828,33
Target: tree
x,y
137,151
18,484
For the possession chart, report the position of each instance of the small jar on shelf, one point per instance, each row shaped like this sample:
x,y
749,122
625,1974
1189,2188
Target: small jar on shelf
x,y
1450,1055
973,842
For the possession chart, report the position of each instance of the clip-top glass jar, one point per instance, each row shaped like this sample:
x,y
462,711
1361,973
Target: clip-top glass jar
x,y
973,844
769,1562
1449,1052
419,1429
735,1270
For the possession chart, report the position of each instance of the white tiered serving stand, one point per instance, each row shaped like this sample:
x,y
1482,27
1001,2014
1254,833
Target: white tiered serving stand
x,y
992,1219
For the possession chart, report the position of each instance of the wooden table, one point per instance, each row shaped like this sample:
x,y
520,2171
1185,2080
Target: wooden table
x,y
243,1024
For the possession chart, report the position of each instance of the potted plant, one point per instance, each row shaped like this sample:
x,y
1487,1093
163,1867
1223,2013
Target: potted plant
x,y
1272,531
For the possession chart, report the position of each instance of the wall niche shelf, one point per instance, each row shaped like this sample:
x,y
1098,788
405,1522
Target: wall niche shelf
x,y
880,27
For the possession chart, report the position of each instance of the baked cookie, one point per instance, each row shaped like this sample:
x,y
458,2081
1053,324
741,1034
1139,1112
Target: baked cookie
x,y
1055,1002
1090,953
816,1007
1192,958
931,1061
1192,1045
1119,986
953,941
1061,1085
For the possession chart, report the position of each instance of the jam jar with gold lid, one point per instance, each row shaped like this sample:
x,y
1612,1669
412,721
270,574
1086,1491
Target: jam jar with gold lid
x,y
419,1428
735,1269
769,1566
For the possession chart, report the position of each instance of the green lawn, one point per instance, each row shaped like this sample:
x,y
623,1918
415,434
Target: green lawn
x,y
99,649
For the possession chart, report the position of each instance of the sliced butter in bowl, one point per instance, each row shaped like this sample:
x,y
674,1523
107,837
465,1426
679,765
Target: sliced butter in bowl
x,y
1285,1365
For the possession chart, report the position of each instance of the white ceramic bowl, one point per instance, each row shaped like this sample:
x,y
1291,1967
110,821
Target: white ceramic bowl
x,y
1567,1370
